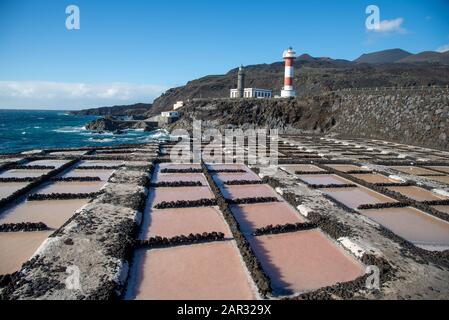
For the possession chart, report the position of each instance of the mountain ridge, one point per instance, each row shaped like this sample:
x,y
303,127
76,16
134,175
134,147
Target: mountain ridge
x,y
384,56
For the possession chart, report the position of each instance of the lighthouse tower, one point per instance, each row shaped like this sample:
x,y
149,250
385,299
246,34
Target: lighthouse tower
x,y
241,82
289,57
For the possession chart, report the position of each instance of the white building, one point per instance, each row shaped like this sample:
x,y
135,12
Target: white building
x,y
178,104
170,114
252,93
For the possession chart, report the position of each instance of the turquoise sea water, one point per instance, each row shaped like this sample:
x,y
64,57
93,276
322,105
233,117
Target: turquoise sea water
x,y
22,130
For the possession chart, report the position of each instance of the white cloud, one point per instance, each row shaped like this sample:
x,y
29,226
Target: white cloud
x,y
443,48
390,26
65,95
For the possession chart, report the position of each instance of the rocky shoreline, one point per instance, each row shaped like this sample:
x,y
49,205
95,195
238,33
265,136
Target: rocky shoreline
x,y
111,124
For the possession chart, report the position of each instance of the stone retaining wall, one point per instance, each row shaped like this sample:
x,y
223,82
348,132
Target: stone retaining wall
x,y
404,116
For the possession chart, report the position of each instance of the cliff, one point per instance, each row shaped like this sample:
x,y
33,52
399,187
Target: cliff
x,y
418,117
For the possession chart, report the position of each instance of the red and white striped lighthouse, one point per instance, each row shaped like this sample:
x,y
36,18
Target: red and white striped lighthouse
x,y
289,57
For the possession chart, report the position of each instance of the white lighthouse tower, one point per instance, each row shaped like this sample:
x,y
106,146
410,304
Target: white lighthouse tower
x,y
289,57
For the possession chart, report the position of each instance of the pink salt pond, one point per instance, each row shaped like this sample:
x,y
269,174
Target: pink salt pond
x,y
158,195
8,188
346,167
417,193
113,155
324,179
413,170
292,168
69,153
23,173
179,177
178,166
442,179
374,178
248,191
100,163
17,247
226,176
50,163
304,261
72,187
230,166
100,173
183,221
354,197
54,213
413,225
259,215
210,271
444,209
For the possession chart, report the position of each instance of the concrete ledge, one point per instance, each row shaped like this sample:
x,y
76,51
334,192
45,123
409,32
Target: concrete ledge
x,y
139,165
123,195
130,177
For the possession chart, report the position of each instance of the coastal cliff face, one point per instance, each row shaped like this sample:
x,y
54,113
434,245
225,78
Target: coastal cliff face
x,y
311,114
419,117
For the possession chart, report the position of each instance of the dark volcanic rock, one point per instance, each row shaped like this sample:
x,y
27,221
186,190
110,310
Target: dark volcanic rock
x,y
103,124
117,126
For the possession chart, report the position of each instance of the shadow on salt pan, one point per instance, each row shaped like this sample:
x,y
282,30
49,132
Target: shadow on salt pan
x,y
248,191
304,261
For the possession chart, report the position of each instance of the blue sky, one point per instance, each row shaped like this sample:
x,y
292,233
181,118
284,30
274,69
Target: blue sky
x,y
129,51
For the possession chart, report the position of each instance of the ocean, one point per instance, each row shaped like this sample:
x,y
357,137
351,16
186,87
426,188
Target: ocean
x,y
22,130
